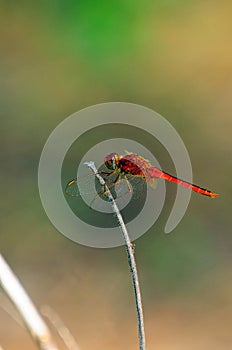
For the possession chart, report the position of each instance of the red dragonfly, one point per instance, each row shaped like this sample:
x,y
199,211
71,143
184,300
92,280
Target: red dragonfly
x,y
133,164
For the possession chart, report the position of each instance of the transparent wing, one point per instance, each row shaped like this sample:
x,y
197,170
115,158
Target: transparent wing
x,y
72,188
86,185
90,186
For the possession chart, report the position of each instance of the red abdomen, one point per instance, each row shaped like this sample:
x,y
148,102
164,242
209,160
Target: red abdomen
x,y
157,173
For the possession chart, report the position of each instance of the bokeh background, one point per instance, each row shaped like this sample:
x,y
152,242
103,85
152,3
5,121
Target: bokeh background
x,y
174,57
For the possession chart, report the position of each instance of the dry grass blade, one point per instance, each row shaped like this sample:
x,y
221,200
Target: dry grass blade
x,y
32,319
60,327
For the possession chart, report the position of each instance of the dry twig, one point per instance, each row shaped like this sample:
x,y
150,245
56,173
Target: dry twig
x,y
130,255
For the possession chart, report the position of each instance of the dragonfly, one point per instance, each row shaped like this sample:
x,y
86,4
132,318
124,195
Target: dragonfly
x,y
134,165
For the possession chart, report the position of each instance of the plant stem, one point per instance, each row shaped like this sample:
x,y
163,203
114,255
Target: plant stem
x,y
130,255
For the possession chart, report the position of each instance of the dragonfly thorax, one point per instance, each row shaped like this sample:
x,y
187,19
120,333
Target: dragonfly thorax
x,y
111,161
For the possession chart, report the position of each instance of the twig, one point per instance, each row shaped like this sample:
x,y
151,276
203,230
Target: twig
x,y
130,255
34,323
60,327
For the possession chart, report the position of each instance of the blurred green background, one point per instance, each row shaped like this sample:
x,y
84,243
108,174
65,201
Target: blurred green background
x,y
174,57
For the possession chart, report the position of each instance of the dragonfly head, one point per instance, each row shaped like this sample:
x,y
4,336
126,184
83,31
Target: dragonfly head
x,y
111,161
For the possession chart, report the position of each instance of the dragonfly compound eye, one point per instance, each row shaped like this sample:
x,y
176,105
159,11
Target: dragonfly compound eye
x,y
111,161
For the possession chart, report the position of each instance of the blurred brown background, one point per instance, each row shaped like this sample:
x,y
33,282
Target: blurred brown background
x,y
174,57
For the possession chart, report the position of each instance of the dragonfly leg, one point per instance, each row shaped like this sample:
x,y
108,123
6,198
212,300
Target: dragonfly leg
x,y
104,173
109,186
93,200
129,188
128,185
97,196
109,174
116,181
